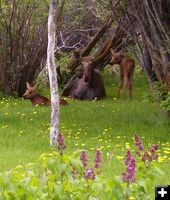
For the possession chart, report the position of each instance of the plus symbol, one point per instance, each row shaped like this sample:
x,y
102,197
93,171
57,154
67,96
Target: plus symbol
x,y
162,192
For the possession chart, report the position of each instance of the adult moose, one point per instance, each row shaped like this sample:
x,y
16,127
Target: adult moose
x,y
127,66
37,99
90,86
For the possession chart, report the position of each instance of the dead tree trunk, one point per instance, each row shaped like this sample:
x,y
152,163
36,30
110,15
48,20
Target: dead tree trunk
x,y
73,64
115,42
154,28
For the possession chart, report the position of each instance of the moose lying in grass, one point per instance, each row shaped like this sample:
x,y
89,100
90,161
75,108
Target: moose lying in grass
x,y
127,66
37,99
90,86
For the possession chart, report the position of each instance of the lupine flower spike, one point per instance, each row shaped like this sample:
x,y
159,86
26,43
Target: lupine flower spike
x,y
97,161
84,158
129,175
146,156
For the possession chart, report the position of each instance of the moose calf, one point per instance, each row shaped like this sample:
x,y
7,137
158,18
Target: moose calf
x,y
127,66
37,99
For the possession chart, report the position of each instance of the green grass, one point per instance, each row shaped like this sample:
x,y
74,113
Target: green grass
x,y
108,125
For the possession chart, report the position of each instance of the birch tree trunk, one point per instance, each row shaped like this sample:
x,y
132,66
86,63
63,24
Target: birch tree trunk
x,y
54,126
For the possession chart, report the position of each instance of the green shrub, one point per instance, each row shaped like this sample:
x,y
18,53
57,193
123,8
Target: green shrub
x,y
60,176
166,103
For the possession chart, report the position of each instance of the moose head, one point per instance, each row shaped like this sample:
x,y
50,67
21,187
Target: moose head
x,y
31,92
87,66
116,57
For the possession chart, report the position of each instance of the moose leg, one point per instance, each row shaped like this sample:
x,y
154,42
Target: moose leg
x,y
125,85
120,84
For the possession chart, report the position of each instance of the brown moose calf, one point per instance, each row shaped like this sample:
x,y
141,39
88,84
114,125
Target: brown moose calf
x,y
127,66
37,99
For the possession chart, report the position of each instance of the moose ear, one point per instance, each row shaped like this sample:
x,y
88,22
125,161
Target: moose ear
x,y
28,85
112,51
92,58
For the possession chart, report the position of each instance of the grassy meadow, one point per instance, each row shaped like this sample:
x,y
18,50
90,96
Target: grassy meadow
x,y
108,124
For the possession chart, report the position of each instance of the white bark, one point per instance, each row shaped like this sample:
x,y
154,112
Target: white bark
x,y
54,126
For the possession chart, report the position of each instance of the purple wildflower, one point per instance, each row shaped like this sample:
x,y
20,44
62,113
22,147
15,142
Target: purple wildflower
x,y
149,156
154,148
145,156
60,143
89,174
97,159
129,175
138,153
138,142
84,158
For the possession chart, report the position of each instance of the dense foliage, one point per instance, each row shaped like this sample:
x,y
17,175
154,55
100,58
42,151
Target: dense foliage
x,y
60,176
23,43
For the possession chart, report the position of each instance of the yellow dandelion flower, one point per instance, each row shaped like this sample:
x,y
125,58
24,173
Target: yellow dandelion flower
x,y
131,198
160,159
21,132
166,152
119,157
165,157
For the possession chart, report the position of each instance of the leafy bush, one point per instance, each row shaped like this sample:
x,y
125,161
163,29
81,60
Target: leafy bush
x,y
163,94
60,176
160,90
166,103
